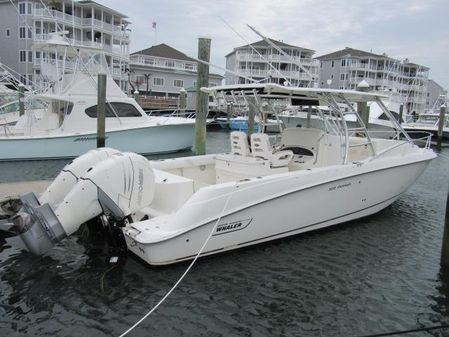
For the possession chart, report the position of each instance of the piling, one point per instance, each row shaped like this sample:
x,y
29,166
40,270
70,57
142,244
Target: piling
x,y
21,97
440,126
251,115
401,113
182,100
309,116
445,247
136,96
202,98
228,113
362,107
101,108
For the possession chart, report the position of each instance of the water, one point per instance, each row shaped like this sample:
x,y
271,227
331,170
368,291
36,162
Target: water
x,y
368,276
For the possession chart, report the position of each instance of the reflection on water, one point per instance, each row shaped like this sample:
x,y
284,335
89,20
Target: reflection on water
x,y
373,275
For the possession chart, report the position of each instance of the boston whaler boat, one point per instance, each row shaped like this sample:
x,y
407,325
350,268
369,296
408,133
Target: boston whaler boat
x,y
169,209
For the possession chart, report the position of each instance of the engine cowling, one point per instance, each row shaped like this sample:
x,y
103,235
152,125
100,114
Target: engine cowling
x,y
119,185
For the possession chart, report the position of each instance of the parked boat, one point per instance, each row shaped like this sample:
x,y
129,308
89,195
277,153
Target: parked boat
x,y
427,123
67,127
171,210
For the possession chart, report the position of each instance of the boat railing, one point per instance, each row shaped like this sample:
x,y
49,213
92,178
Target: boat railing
x,y
425,139
173,113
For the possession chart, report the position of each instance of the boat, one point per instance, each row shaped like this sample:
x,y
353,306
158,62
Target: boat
x,y
174,210
68,126
427,123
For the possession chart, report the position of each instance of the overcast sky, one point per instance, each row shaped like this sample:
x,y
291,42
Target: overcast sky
x,y
413,29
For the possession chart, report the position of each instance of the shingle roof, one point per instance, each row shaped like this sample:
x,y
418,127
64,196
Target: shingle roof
x,y
349,51
263,43
163,50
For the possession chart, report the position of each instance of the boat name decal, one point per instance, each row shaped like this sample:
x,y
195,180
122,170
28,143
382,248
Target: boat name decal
x,y
232,226
86,138
333,188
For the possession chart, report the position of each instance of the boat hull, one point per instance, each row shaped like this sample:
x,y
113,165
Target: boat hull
x,y
309,207
145,140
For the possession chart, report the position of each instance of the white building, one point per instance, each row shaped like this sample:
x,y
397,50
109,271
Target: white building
x,y
436,95
403,80
262,62
86,23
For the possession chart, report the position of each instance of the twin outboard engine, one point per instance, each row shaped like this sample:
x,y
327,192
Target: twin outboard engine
x,y
102,181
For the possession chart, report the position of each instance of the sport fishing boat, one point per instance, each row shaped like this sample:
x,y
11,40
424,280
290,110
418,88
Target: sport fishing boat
x,y
68,126
172,210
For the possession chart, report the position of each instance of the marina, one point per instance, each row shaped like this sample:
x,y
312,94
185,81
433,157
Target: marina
x,y
242,186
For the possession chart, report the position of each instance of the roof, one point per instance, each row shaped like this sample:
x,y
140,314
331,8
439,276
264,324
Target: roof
x,y
163,50
349,52
276,91
411,64
263,43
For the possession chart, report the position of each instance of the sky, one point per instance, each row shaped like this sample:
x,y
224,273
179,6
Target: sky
x,y
413,29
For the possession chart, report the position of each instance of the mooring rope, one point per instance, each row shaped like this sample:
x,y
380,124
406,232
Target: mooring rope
x,y
186,271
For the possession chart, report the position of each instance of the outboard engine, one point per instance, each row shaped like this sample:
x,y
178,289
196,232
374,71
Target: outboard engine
x,y
117,186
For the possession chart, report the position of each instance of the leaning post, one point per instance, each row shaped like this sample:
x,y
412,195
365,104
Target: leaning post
x,y
21,96
202,98
101,108
440,125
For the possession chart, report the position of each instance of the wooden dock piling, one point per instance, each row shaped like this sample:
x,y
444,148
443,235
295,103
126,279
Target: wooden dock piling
x,y
441,125
101,109
182,100
445,246
21,97
202,98
362,107
251,115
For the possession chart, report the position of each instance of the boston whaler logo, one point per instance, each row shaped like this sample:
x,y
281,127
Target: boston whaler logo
x,y
232,226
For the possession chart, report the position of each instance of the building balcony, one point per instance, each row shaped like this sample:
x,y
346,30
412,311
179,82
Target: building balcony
x,y
78,22
114,50
159,62
296,75
247,57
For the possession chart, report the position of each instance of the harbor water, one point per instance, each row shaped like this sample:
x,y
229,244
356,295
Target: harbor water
x,y
374,275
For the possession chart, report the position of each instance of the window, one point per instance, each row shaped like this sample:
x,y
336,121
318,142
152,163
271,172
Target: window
x,y
343,63
8,32
178,83
30,33
158,81
22,32
30,79
342,77
332,65
37,55
332,76
30,8
23,56
121,109
30,56
22,8
169,64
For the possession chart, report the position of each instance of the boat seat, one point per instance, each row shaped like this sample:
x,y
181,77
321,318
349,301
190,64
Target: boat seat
x,y
239,143
261,148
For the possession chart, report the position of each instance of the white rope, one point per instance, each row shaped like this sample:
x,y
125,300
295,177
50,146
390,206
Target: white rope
x,y
186,271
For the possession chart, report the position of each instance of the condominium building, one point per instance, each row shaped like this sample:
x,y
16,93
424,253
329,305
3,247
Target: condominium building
x,y
402,80
163,71
436,95
84,23
262,62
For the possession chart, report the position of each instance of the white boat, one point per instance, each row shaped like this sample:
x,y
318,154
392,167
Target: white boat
x,y
67,128
172,210
427,123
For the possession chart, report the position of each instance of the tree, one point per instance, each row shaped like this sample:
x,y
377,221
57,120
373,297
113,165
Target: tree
x,y
147,80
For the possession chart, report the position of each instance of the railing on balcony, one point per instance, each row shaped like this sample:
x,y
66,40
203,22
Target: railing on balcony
x,y
163,63
78,21
113,49
271,72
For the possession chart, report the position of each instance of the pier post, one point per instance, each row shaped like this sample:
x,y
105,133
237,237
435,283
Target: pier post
x,y
440,125
444,262
228,113
202,98
362,107
309,116
136,96
251,115
401,113
101,109
183,100
21,96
